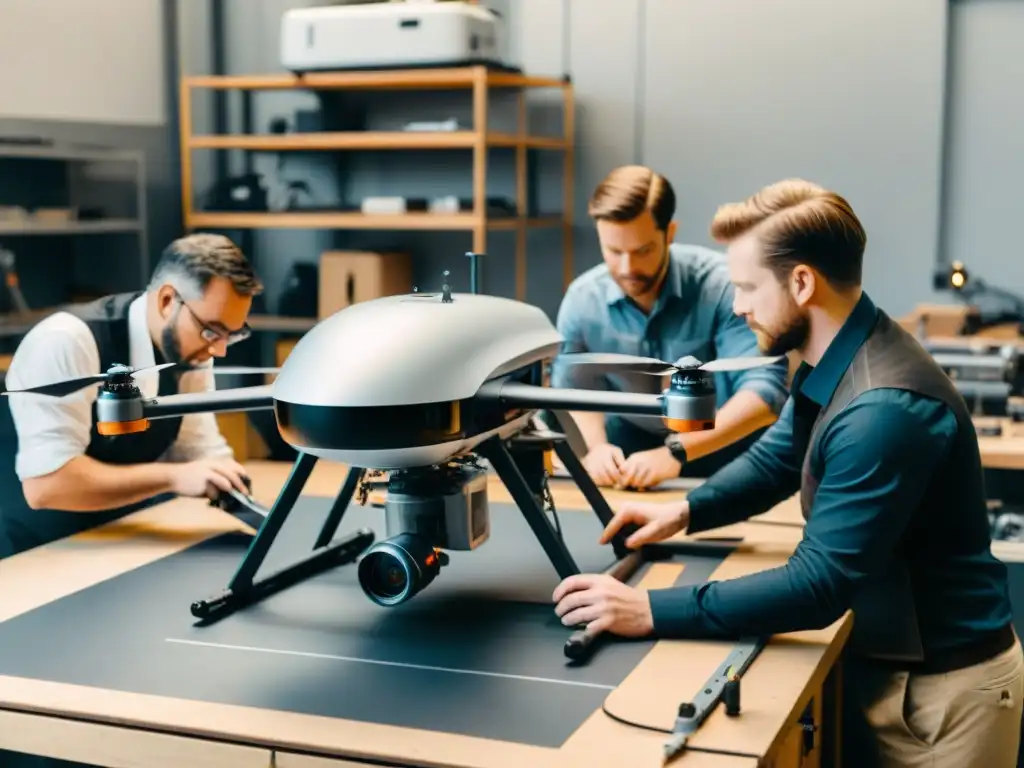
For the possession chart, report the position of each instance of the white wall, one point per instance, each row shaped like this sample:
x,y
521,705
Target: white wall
x,y
985,140
98,61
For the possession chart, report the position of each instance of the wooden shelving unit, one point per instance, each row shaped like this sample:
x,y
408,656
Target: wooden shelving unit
x,y
479,140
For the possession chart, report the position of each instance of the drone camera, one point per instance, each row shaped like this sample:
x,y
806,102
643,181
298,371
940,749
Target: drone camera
x,y
689,402
427,510
446,505
396,569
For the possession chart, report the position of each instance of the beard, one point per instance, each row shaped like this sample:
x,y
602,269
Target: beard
x,y
789,335
171,345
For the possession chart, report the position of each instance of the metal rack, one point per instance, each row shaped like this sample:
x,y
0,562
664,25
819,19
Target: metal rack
x,y
86,184
479,139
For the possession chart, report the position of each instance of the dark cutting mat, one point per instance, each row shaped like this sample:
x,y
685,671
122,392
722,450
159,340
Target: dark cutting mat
x,y
478,652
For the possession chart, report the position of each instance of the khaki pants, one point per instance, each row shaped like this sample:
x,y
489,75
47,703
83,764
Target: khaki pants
x,y
968,718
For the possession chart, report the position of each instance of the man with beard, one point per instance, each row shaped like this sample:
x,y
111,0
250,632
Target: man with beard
x,y
883,452
657,298
60,476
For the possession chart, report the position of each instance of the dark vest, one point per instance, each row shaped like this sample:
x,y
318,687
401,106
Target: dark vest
x,y
886,622
25,527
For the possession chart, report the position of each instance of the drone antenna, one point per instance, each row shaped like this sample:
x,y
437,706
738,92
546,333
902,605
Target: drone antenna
x,y
446,290
474,271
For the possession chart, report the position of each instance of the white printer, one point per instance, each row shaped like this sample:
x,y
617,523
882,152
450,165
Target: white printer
x,y
390,35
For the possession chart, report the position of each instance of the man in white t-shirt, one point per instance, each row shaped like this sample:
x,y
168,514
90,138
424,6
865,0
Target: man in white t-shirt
x,y
58,476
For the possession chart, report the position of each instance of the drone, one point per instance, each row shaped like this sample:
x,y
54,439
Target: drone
x,y
446,384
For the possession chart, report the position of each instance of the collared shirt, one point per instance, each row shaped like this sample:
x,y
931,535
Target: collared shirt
x,y
53,430
875,460
693,315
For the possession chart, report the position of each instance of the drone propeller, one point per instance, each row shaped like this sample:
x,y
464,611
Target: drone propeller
x,y
650,365
122,373
241,370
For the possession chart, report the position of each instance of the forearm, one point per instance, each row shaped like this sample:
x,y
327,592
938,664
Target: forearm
x,y
760,478
741,489
591,426
797,596
743,414
86,485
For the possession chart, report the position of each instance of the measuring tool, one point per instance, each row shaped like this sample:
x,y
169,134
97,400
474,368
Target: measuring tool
x,y
724,683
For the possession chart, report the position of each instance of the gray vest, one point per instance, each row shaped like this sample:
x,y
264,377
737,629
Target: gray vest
x,y
885,624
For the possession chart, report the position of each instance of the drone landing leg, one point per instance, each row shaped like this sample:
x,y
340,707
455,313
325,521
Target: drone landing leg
x,y
348,490
504,464
591,492
244,590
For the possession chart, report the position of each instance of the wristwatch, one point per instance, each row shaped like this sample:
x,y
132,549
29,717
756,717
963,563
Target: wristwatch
x,y
676,448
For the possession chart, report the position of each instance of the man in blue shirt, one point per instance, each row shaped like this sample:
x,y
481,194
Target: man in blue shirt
x,y
884,455
657,298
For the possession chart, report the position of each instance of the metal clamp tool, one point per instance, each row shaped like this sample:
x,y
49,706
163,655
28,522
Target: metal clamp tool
x,y
724,683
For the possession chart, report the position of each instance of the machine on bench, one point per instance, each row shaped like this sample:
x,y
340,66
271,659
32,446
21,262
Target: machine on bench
x,y
987,372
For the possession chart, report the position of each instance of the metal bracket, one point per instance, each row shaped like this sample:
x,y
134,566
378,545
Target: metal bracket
x,y
692,713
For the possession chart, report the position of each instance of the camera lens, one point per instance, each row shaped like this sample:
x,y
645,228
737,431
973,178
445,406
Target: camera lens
x,y
394,570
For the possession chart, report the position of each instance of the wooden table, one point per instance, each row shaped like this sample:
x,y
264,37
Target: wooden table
x,y
1003,451
115,728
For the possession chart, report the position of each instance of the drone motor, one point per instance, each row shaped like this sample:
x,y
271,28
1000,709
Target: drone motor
x,y
689,402
427,510
119,404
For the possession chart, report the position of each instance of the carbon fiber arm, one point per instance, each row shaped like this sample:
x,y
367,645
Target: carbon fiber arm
x,y
241,399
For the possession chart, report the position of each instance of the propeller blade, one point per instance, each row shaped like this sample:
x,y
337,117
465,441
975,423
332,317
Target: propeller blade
x,y
240,370
612,361
61,388
149,369
738,363
70,386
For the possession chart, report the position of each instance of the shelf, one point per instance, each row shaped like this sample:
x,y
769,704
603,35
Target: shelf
x,y
20,228
18,324
69,153
415,79
369,140
479,221
356,220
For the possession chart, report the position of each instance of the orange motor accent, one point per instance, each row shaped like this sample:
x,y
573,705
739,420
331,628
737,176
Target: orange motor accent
x,y
688,425
112,428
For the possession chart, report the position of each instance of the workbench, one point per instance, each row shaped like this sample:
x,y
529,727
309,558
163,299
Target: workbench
x,y
86,676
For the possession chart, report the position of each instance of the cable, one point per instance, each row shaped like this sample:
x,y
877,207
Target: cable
x,y
669,732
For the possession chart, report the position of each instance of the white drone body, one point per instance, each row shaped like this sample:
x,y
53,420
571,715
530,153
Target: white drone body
x,y
390,383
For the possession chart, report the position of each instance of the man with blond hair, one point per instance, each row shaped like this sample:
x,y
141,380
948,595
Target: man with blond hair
x,y
883,453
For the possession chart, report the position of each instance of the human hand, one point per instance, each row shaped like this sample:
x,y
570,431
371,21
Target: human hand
x,y
603,604
208,477
645,469
603,463
656,522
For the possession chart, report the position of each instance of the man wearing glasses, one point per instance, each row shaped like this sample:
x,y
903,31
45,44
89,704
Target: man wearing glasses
x,y
58,476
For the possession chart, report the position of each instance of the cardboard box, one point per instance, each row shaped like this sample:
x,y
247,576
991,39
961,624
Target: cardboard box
x,y
349,277
242,436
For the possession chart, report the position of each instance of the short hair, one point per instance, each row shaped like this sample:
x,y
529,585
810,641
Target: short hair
x,y
191,262
799,222
628,191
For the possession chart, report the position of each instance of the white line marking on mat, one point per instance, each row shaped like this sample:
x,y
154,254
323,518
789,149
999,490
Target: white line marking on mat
x,y
378,662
